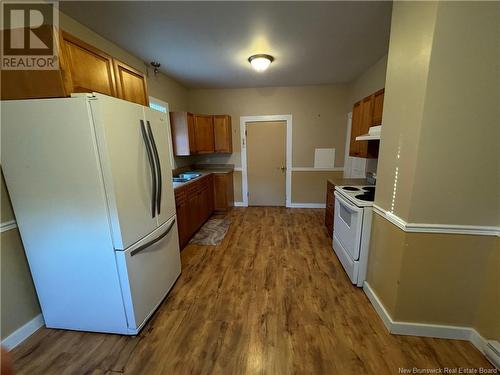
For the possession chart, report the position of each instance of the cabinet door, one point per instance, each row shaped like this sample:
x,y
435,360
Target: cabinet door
x,y
89,69
364,126
355,129
220,192
222,134
30,84
204,134
130,84
378,105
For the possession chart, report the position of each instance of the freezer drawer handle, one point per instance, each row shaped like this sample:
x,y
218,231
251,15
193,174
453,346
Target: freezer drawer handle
x,y
146,245
158,166
152,167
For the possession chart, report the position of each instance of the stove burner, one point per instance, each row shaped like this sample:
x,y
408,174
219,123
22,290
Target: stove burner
x,y
350,188
369,189
366,197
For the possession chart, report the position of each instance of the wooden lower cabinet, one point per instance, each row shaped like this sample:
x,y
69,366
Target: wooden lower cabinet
x,y
194,204
223,191
330,207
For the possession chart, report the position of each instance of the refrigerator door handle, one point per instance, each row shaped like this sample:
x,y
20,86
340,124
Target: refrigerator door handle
x,y
152,166
158,166
146,245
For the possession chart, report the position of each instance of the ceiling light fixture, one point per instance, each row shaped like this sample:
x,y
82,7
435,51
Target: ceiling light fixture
x,y
260,62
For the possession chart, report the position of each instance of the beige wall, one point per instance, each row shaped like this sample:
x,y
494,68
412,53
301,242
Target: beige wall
x,y
434,278
412,30
370,81
319,120
160,86
18,301
319,115
460,132
310,187
438,161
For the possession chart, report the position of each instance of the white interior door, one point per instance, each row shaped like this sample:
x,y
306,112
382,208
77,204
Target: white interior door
x,y
159,123
128,177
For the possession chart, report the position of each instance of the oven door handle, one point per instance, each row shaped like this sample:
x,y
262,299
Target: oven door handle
x,y
350,207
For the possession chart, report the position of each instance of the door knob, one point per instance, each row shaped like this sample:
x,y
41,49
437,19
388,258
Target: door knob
x,y
283,168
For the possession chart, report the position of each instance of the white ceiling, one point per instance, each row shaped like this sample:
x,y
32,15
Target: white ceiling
x,y
206,44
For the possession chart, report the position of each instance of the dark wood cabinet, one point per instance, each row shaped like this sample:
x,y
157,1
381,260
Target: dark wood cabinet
x,y
223,191
223,140
366,113
330,207
194,204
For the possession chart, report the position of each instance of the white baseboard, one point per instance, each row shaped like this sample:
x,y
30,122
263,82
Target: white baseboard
x,y
307,205
22,333
424,329
240,204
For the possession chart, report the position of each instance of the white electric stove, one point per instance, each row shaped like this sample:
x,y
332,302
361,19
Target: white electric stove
x,y
351,229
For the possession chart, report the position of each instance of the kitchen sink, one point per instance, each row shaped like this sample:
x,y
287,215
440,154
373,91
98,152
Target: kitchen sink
x,y
189,175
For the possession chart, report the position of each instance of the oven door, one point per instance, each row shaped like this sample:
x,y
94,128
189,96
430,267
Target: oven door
x,y
348,223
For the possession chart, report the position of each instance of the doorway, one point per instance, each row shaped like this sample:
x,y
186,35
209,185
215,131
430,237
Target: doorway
x,y
266,163
266,160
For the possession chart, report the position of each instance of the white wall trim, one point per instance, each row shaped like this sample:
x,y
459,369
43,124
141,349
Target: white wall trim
x,y
312,169
244,182
23,332
8,225
307,205
240,204
436,228
424,329
237,169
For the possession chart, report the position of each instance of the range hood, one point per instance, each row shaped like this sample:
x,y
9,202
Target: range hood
x,y
373,134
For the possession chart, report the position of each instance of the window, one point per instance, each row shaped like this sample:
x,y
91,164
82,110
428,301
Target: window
x,y
157,104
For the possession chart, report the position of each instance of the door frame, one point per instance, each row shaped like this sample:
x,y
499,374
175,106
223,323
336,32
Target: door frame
x,y
288,180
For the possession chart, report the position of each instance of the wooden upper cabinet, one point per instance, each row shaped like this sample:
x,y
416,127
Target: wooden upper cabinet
x,y
82,68
366,113
378,105
130,84
223,139
87,69
183,133
204,134
32,84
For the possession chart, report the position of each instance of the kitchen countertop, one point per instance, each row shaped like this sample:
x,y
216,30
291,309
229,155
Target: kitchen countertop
x,y
340,181
204,172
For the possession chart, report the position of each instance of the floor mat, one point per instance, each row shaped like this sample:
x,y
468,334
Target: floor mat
x,y
211,233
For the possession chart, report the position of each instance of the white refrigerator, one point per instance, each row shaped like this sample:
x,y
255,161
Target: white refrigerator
x,y
90,180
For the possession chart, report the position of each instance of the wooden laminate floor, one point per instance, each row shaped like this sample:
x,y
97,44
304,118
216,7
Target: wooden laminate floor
x,y
271,299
